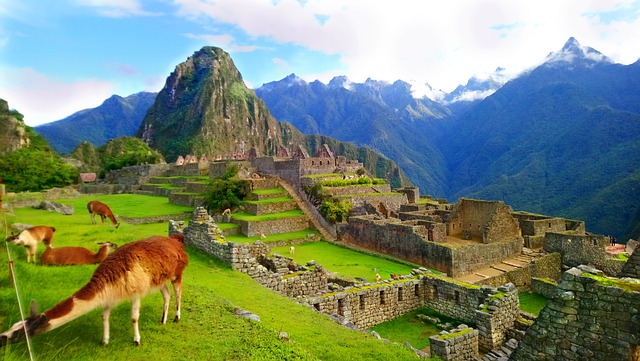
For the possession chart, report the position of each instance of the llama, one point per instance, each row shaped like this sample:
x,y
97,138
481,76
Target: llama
x,y
65,256
129,272
103,210
30,237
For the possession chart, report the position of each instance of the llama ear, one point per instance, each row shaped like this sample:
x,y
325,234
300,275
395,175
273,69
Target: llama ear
x,y
34,308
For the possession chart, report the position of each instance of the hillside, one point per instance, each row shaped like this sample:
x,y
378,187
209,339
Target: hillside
x,y
115,117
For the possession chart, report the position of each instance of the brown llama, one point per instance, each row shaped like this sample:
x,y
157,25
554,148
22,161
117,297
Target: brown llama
x,y
30,237
129,272
103,210
67,256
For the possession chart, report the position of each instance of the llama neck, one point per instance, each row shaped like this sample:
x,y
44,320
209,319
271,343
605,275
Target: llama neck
x,y
68,310
113,219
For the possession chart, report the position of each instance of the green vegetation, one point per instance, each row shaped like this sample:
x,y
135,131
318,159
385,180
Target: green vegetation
x,y
270,191
413,327
455,334
351,182
271,200
336,210
615,282
226,192
208,329
345,262
532,302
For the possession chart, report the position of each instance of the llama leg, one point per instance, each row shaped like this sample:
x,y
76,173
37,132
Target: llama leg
x,y
135,315
166,296
102,217
105,323
93,218
31,253
177,287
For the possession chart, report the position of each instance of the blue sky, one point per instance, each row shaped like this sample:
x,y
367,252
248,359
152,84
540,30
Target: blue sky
x,y
61,56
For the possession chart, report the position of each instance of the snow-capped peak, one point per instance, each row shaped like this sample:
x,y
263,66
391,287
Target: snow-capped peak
x,y
573,52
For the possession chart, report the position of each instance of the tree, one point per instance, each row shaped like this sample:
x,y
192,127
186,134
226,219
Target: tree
x,y
226,192
335,210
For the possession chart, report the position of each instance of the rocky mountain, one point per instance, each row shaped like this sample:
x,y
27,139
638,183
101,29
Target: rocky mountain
x,y
560,139
205,108
115,117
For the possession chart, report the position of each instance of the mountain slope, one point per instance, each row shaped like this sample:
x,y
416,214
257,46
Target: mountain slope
x,y
115,117
563,139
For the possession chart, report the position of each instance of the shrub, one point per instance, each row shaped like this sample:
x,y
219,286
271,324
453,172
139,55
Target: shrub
x,y
334,210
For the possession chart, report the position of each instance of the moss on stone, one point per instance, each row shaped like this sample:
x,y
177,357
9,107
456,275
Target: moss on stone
x,y
454,334
547,280
615,282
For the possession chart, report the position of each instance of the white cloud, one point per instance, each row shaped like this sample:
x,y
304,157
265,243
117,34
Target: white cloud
x,y
443,43
42,99
116,8
225,41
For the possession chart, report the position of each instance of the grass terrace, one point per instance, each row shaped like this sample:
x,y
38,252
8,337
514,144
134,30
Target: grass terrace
x,y
532,302
271,200
269,191
271,238
268,217
346,263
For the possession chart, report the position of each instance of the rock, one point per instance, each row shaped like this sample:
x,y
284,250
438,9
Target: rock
x,y
55,207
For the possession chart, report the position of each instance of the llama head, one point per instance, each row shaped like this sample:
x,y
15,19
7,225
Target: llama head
x,y
109,245
32,325
14,238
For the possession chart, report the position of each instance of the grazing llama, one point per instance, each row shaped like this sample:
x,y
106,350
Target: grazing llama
x,y
103,210
30,237
129,272
66,256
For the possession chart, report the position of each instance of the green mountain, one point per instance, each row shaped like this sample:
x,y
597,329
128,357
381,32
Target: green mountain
x,y
115,117
205,108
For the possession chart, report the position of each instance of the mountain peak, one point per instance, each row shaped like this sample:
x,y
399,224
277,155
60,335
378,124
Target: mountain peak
x,y
574,53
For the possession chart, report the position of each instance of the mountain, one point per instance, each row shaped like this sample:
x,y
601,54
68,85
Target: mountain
x,y
560,139
115,117
205,108
13,132
384,116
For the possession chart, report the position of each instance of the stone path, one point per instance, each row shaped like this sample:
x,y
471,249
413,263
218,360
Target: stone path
x,y
497,269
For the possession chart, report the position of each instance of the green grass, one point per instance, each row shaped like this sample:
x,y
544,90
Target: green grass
x,y
271,200
409,328
327,175
532,302
224,226
277,237
344,262
208,329
269,191
267,217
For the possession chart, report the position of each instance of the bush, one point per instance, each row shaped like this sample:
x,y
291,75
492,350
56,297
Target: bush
x,y
226,192
335,210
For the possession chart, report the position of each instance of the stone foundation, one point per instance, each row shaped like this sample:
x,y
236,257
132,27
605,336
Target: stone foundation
x,y
460,344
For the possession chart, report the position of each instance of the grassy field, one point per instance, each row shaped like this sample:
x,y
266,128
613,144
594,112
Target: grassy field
x,y
276,237
532,302
208,329
344,262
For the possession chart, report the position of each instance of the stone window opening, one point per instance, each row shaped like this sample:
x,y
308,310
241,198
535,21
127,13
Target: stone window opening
x,y
456,296
549,224
316,306
595,242
382,297
362,303
341,307
400,295
416,290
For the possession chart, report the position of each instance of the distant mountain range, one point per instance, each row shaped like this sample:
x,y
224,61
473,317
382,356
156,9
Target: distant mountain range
x,y
115,117
561,139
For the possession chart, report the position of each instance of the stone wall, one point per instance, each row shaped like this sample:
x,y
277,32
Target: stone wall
x,y
108,188
371,304
583,249
136,175
408,241
497,317
632,266
544,286
490,221
259,209
291,224
546,266
358,189
591,317
186,199
460,344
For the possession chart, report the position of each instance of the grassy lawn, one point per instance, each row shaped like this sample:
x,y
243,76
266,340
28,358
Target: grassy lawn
x,y
410,328
208,329
269,191
277,237
532,302
344,262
